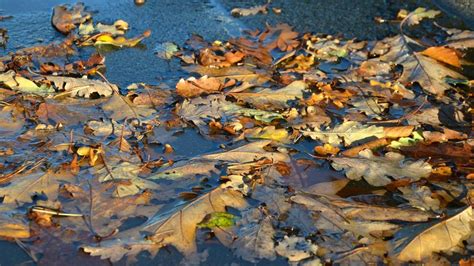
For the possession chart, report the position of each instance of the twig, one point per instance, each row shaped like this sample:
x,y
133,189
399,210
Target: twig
x,y
118,93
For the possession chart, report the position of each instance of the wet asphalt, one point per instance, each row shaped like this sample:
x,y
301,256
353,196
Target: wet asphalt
x,y
176,20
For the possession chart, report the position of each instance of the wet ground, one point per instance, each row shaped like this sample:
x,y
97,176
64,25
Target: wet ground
x,y
175,20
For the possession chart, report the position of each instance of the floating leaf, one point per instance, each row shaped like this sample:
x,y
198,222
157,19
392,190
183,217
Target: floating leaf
x,y
350,131
66,19
377,170
218,219
268,99
193,87
417,242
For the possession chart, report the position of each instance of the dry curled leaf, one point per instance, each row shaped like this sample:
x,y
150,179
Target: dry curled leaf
x,y
193,87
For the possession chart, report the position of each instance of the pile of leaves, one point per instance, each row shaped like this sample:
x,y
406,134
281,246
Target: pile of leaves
x,y
88,166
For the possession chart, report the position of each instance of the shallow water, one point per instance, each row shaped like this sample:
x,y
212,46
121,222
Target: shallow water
x,y
175,21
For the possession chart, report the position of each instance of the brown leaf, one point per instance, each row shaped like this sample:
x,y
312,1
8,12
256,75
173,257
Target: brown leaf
x,y
66,19
243,12
327,149
372,145
193,87
180,228
449,134
398,132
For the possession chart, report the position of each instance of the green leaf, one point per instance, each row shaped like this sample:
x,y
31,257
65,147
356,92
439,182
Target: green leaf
x,y
218,219
419,14
408,141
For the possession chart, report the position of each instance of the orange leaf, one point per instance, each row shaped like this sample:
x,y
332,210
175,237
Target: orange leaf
x,y
443,54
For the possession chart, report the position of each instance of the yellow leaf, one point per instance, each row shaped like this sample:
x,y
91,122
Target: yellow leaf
x,y
326,149
107,39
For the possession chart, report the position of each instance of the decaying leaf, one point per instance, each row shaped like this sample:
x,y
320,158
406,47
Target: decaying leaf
x,y
179,228
377,170
296,248
255,241
416,16
243,12
66,19
418,242
428,72
350,131
82,87
268,99
193,87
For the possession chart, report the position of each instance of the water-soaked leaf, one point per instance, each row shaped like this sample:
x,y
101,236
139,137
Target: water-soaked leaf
x,y
193,87
65,18
418,242
243,12
378,170
268,99
296,248
255,237
350,131
82,87
178,228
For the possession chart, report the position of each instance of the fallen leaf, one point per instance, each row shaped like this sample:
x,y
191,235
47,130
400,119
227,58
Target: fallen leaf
x,y
166,50
179,229
243,12
443,54
193,87
418,242
66,19
377,170
428,72
326,150
296,248
255,237
416,16
350,131
268,99
81,87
